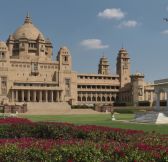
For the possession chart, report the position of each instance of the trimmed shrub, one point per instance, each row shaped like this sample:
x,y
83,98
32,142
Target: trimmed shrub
x,y
83,107
163,103
143,103
125,111
119,104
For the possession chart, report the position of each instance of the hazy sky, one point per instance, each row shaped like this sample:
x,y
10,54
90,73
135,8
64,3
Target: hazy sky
x,y
90,28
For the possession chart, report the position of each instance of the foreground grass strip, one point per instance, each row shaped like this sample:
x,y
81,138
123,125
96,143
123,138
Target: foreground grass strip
x,y
103,120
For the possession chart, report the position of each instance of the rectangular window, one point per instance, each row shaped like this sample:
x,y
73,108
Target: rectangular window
x,y
34,69
3,85
67,87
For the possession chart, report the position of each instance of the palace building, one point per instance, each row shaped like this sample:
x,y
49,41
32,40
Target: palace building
x,y
28,74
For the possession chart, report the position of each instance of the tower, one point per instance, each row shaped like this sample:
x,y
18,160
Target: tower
x,y
103,66
123,67
64,58
137,84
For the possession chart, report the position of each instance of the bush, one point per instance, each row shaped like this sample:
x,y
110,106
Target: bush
x,y
125,111
83,107
143,103
163,103
119,104
63,142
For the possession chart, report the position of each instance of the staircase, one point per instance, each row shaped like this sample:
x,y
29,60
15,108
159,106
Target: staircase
x,y
47,108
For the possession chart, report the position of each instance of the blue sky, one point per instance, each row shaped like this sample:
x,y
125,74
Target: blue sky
x,y
90,28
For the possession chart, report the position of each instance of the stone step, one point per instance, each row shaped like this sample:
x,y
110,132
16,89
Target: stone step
x,y
48,108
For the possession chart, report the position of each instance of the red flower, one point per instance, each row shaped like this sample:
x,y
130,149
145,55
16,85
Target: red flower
x,y
70,160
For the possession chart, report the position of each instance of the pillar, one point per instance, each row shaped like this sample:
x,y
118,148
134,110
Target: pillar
x,y
57,96
61,96
157,100
22,95
91,95
34,96
40,96
12,95
51,96
28,96
46,96
16,95
167,100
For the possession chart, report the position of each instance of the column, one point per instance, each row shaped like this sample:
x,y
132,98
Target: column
x,y
151,102
51,96
61,97
28,96
46,96
157,100
101,96
167,99
40,96
91,95
16,97
12,95
34,96
57,96
22,95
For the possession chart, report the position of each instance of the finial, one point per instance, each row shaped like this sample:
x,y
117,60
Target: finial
x,y
103,54
122,46
28,15
28,19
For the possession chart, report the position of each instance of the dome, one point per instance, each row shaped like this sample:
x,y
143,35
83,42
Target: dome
x,y
123,53
27,30
64,48
3,46
103,58
122,50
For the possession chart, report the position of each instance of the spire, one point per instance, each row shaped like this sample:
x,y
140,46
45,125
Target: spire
x,y
103,56
122,45
28,19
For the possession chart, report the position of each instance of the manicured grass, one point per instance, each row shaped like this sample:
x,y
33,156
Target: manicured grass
x,y
101,119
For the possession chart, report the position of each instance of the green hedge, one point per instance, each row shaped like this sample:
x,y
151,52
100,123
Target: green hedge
x,y
143,103
83,107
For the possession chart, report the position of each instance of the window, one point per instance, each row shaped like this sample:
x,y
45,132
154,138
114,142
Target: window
x,y
34,69
2,55
140,91
67,87
65,58
4,85
32,45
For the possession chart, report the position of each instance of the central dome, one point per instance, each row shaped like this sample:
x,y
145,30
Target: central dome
x,y
27,30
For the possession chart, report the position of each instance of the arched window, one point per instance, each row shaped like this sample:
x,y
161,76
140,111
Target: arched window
x,y
112,98
108,98
79,98
103,98
88,98
65,58
93,98
83,98
98,98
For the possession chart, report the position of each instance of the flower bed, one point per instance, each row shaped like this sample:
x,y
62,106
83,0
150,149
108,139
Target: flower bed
x,y
63,142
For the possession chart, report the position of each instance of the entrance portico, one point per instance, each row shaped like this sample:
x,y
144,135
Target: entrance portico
x,y
161,86
24,95
158,92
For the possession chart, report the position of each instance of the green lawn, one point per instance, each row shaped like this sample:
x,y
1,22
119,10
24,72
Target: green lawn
x,y
101,119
